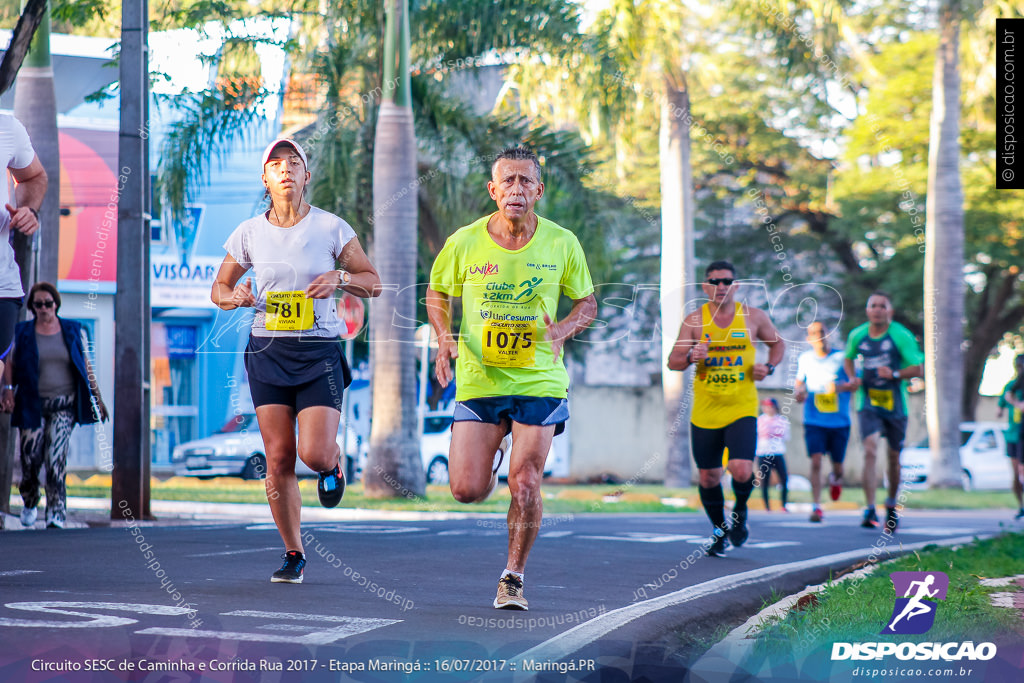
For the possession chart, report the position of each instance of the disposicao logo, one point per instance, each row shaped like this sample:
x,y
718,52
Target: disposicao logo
x,y
913,614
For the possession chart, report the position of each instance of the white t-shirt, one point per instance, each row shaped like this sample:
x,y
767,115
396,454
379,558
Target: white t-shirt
x,y
15,152
288,260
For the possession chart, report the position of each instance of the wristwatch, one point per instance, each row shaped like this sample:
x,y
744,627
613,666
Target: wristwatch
x,y
689,358
771,369
895,374
344,277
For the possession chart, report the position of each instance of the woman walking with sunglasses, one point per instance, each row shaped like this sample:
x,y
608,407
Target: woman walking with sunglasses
x,y
51,387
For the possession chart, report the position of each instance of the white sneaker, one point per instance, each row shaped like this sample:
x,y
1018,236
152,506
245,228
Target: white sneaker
x,y
29,516
55,523
504,448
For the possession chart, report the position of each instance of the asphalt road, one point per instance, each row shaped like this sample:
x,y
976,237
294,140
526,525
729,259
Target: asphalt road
x,y
387,600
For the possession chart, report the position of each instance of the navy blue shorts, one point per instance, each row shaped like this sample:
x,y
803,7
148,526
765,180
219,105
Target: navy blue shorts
x,y
527,410
892,427
831,440
709,445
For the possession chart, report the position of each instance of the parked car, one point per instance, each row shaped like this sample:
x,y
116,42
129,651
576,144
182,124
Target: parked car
x,y
436,442
236,450
983,458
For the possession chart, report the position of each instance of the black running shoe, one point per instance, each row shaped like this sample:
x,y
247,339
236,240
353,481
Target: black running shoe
x,y
718,544
1020,514
331,487
892,519
291,570
870,520
738,533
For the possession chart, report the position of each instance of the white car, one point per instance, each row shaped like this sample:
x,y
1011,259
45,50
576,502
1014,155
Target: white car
x,y
982,458
437,441
236,450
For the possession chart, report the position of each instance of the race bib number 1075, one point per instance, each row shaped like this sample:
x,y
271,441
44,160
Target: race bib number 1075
x,y
509,344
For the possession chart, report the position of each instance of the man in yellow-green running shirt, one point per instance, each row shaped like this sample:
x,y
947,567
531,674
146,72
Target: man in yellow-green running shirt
x,y
719,339
509,269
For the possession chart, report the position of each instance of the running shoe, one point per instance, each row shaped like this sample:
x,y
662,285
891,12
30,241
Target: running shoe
x,y
28,516
738,533
331,487
55,523
718,544
892,519
870,520
291,570
503,450
1020,513
817,515
510,594
835,486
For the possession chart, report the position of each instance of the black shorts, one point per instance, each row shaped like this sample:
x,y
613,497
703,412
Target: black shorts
x,y
325,390
527,410
9,308
892,427
295,372
1013,450
709,445
831,440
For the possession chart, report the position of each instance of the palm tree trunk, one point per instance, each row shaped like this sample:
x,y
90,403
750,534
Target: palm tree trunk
x,y
943,274
394,468
677,268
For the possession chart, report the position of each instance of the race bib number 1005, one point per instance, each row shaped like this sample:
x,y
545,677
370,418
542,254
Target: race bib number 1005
x,y
289,311
509,344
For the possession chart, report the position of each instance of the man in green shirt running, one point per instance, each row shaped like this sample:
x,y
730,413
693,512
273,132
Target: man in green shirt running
x,y
509,270
887,354
1013,398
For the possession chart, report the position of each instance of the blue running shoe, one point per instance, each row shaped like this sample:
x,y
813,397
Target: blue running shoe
x,y
331,487
291,570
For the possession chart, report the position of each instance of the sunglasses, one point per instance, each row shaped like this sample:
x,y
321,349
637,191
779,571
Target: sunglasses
x,y
727,281
44,304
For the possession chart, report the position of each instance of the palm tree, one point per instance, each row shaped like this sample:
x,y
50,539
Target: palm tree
x,y
394,466
944,257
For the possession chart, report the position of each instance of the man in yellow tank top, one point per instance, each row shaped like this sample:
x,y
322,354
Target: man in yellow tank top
x,y
719,339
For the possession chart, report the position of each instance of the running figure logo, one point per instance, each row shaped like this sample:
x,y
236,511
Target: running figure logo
x,y
914,613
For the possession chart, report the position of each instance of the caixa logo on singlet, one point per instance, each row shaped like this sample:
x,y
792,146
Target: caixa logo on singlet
x,y
918,596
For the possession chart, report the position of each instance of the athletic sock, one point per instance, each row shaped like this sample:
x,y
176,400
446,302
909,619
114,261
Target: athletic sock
x,y
518,575
742,490
713,500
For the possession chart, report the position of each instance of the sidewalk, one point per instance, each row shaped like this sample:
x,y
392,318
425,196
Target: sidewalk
x,y
83,513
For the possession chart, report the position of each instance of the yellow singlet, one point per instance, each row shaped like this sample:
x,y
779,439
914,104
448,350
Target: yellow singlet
x,y
723,390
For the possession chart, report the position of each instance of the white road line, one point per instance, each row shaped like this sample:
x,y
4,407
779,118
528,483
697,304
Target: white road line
x,y
568,642
19,572
236,552
647,537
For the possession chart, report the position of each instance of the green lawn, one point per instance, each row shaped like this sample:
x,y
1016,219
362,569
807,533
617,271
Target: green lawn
x,y
856,610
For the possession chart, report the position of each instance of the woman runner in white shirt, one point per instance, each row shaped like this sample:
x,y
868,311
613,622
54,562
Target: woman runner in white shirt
x,y
300,256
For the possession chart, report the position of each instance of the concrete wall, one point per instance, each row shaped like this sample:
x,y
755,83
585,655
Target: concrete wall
x,y
620,431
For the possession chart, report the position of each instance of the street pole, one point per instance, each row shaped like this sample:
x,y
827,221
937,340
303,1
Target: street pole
x,y
129,493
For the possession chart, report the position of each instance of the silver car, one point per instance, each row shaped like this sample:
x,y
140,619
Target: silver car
x,y
236,450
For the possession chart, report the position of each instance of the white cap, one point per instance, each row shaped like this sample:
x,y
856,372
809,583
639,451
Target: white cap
x,y
285,141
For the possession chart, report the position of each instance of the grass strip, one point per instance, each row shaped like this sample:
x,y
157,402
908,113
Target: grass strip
x,y
858,609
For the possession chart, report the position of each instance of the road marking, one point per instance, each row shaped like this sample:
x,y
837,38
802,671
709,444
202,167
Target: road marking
x,y
236,552
647,537
347,626
556,534
94,620
19,572
568,642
